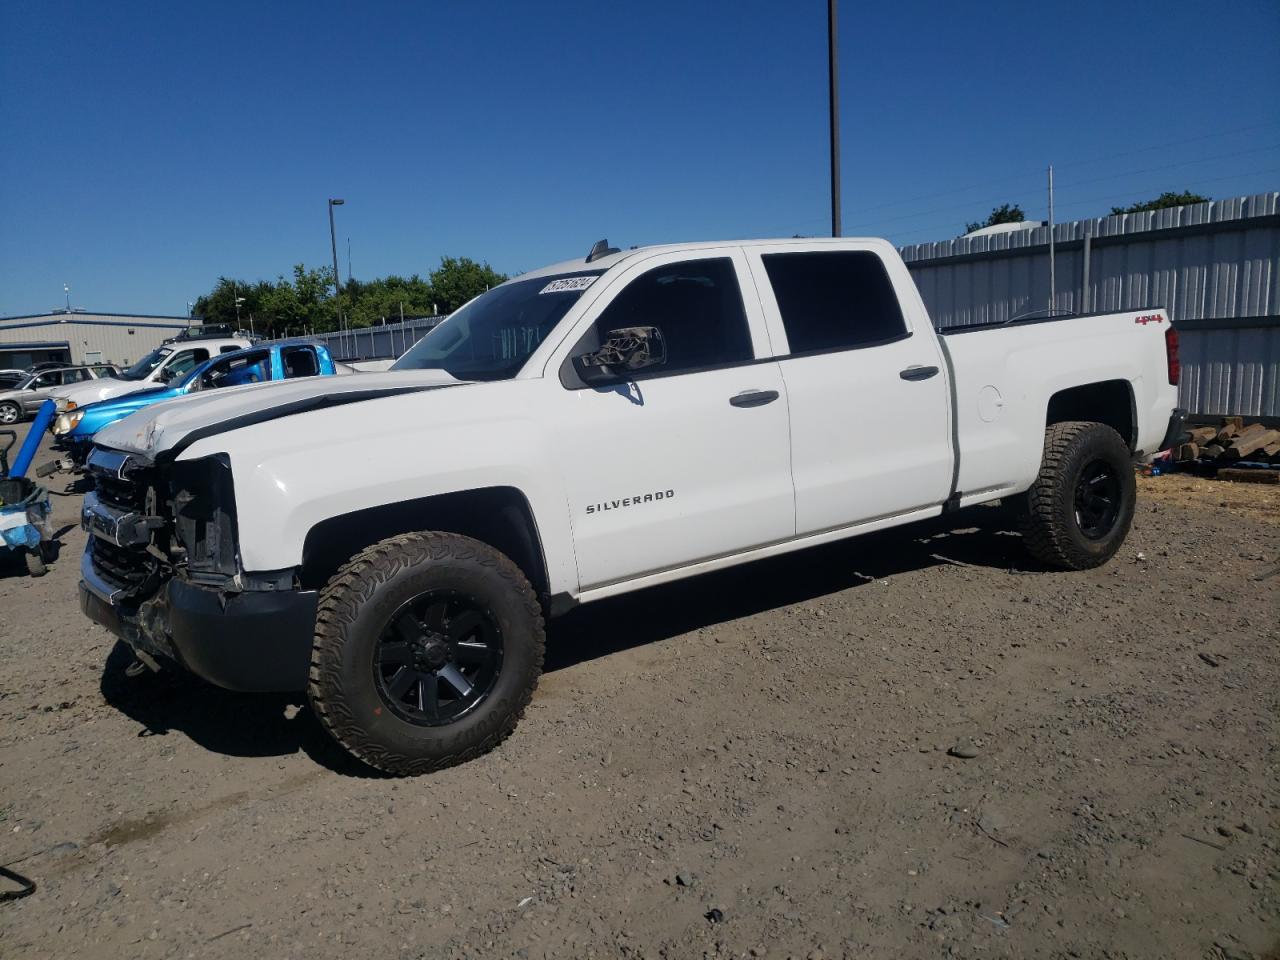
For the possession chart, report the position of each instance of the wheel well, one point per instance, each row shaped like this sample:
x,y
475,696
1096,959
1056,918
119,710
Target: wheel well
x,y
1108,401
498,516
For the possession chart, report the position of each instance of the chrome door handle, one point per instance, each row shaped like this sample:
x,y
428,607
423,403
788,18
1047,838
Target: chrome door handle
x,y
918,373
753,398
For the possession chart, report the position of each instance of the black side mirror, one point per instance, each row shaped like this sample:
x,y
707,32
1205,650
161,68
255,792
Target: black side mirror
x,y
624,350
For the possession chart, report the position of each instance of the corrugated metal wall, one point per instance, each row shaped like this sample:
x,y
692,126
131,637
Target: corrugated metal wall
x,y
1214,266
119,339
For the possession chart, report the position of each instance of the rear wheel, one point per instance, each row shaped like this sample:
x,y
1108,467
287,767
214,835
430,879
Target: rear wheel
x,y
1078,512
428,648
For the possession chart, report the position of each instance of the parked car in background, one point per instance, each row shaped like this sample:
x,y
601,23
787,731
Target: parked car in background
x,y
163,365
23,399
74,429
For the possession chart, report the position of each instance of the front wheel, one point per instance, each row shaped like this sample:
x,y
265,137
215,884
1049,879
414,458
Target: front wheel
x,y
1078,512
428,648
10,412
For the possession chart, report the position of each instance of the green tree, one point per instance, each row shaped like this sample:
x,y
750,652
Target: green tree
x,y
459,279
301,303
305,300
1166,199
1005,213
385,300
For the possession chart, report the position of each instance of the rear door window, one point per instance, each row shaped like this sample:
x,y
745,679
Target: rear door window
x,y
834,300
299,362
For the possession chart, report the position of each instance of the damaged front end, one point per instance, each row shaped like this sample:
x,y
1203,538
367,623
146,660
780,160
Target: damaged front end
x,y
162,571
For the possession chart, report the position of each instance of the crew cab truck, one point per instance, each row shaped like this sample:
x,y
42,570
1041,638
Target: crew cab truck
x,y
392,543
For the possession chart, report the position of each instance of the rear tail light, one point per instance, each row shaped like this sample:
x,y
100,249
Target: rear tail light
x,y
1171,354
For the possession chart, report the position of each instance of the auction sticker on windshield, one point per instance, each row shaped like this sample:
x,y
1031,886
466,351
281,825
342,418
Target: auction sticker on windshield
x,y
567,284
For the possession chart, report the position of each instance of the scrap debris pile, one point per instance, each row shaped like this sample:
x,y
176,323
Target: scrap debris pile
x,y
1232,451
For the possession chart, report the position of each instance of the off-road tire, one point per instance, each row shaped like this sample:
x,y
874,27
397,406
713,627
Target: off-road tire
x,y
1050,525
355,608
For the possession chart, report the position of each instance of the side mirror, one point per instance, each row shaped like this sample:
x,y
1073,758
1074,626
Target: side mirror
x,y
624,350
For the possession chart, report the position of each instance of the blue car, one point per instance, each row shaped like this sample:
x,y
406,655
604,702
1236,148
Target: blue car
x,y
74,429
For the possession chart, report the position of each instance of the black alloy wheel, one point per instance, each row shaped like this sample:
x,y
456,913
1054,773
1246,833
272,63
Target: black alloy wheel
x,y
438,657
1097,499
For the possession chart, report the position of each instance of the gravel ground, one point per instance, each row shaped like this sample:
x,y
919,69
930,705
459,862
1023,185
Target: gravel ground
x,y
910,745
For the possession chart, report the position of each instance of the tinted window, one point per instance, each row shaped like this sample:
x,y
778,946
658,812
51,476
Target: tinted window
x,y
696,304
834,301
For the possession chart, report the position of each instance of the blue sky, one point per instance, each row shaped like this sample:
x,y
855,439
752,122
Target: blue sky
x,y
149,148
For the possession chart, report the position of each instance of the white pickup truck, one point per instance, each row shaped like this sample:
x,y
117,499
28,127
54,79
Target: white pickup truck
x,y
391,543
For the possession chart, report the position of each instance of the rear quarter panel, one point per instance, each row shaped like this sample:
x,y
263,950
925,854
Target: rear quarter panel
x,y
1004,378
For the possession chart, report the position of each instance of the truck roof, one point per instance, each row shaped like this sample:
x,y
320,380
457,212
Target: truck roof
x,y
622,256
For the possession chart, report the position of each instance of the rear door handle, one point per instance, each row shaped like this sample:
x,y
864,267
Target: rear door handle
x,y
918,373
754,398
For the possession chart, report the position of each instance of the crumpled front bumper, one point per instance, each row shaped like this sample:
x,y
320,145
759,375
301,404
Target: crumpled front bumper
x,y
253,641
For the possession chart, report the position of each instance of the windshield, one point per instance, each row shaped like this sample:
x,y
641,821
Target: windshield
x,y
144,367
493,335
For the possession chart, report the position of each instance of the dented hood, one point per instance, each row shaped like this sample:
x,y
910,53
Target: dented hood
x,y
167,427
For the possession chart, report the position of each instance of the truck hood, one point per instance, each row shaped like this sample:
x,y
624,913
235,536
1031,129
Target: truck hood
x,y
166,428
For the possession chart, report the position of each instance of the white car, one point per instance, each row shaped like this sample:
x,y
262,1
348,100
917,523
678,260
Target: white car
x,y
161,365
391,543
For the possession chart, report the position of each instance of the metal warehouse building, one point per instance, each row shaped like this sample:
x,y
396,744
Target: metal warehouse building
x,y
76,337
1214,266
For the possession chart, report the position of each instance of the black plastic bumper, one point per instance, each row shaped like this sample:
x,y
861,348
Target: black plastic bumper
x,y
251,642
1177,432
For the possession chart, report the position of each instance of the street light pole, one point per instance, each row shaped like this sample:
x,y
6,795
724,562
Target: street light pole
x,y
333,243
833,82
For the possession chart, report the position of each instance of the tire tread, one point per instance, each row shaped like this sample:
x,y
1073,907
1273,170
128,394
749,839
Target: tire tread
x,y
355,584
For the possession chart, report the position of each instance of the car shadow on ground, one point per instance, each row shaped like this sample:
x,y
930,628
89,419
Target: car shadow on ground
x,y
976,537
234,724
269,725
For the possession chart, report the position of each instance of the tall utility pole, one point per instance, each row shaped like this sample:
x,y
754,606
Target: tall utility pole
x,y
333,243
1053,277
833,78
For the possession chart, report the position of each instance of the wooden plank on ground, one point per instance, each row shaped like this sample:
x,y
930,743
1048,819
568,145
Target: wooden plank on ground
x,y
1185,452
1252,440
1245,475
1202,435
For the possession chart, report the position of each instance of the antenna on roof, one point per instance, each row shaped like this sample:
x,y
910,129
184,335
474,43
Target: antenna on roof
x,y
601,249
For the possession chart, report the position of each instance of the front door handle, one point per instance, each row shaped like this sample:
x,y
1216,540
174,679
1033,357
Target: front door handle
x,y
753,398
918,373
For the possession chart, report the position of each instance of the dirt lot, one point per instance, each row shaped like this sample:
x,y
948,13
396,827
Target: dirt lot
x,y
754,763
